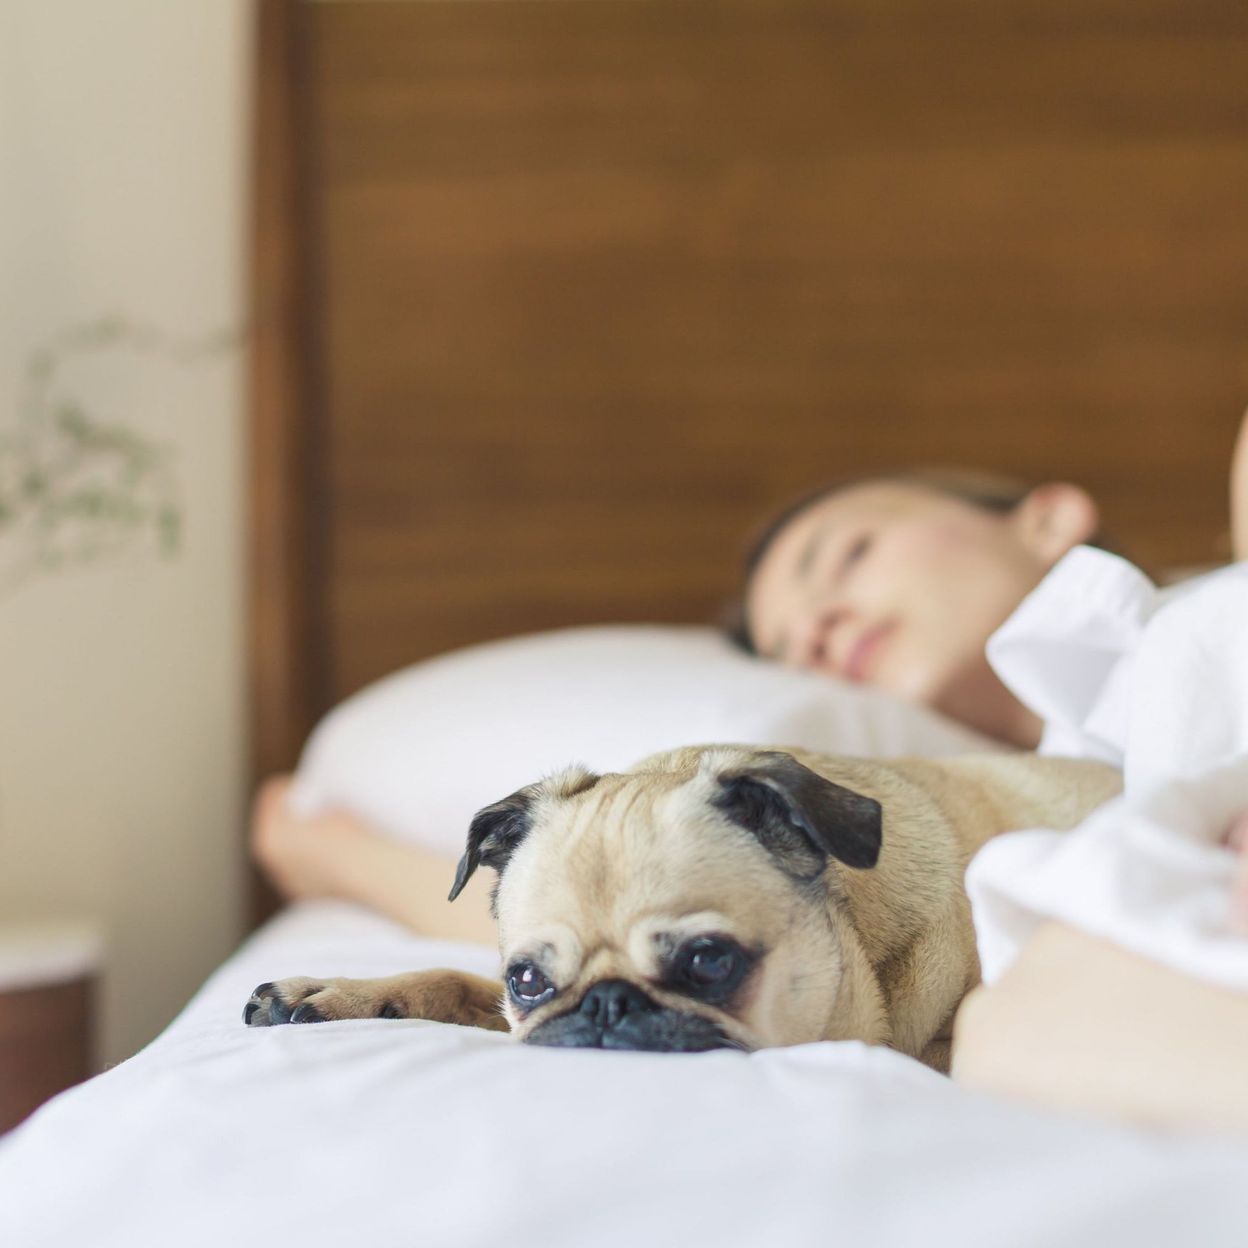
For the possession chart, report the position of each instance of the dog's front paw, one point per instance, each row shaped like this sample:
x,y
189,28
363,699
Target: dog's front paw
x,y
443,996
305,1000
286,1001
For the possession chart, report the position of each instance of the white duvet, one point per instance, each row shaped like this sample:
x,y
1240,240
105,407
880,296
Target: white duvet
x,y
394,1133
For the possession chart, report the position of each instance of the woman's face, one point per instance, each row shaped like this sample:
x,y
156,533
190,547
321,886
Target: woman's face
x,y
900,586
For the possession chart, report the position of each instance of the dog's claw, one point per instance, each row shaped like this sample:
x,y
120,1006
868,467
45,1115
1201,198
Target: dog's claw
x,y
257,1011
264,1008
274,1004
279,1011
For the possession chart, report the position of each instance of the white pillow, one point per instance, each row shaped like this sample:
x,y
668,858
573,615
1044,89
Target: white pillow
x,y
419,752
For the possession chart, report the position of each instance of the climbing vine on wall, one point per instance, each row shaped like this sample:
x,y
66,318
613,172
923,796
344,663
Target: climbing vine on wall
x,y
76,485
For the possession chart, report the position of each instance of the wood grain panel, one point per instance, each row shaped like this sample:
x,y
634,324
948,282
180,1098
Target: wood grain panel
x,y
286,509
606,282
600,284
45,1045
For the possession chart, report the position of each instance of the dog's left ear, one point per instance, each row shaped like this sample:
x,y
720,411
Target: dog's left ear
x,y
800,816
497,831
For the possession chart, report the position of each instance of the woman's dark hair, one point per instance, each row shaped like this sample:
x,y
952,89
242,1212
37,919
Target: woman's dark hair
x,y
991,491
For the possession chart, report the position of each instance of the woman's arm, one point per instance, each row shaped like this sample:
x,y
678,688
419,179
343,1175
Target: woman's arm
x,y
338,855
1078,1023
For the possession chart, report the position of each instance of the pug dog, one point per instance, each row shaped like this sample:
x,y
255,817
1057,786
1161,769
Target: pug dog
x,y
727,897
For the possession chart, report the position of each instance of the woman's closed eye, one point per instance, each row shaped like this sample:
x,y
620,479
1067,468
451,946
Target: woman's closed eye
x,y
854,552
840,559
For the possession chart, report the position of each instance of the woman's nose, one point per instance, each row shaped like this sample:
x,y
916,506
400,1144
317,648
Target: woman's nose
x,y
814,639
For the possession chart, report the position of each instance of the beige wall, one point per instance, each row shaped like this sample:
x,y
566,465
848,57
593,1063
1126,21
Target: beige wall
x,y
122,164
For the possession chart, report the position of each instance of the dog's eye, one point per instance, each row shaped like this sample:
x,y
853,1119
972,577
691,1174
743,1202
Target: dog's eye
x,y
528,986
711,966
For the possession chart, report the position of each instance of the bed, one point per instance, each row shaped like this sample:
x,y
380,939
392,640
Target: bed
x,y
554,301
435,1135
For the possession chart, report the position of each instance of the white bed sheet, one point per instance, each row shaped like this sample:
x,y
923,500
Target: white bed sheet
x,y
409,1133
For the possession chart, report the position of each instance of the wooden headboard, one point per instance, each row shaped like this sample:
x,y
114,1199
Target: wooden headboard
x,y
556,299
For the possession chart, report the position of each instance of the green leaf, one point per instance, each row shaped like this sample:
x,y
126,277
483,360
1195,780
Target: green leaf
x,y
169,530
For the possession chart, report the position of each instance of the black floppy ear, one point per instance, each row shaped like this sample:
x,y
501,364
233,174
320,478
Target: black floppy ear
x,y
496,831
800,816
494,834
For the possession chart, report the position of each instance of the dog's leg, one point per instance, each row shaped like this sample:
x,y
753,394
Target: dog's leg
x,y
443,996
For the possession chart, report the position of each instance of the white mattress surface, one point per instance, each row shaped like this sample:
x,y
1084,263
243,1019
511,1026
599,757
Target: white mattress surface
x,y
397,1133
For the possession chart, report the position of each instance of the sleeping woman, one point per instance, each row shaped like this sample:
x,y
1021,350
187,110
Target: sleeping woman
x,y
896,582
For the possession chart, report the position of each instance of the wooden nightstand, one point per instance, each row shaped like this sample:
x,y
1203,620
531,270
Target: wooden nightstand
x,y
48,973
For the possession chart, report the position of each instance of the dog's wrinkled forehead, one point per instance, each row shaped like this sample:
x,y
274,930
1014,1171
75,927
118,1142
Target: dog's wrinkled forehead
x,y
647,840
647,818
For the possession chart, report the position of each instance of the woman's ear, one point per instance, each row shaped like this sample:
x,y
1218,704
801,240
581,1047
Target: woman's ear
x,y
1055,518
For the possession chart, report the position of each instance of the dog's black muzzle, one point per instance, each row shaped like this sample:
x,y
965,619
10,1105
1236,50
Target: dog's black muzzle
x,y
615,1014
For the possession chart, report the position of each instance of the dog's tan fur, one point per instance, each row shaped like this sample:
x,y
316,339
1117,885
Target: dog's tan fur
x,y
616,869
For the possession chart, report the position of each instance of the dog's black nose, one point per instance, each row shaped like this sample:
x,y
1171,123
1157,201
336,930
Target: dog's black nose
x,y
610,1000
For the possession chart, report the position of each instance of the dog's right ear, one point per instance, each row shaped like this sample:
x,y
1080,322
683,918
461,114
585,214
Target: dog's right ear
x,y
801,817
497,831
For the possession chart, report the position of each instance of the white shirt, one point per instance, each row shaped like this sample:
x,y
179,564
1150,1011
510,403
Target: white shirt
x,y
1155,682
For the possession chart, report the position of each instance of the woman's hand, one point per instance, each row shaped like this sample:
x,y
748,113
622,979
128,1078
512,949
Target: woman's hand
x,y
338,855
304,857
1237,839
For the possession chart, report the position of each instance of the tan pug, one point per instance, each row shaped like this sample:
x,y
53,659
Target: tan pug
x,y
723,896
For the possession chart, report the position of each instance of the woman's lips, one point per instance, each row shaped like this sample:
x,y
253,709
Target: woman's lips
x,y
863,653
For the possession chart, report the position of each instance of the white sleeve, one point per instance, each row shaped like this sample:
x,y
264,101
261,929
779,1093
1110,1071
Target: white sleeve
x,y
1066,652
1147,873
